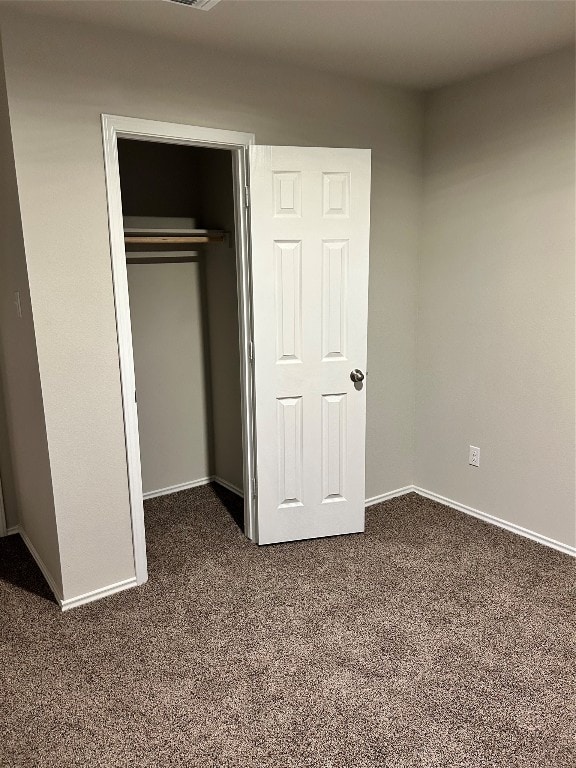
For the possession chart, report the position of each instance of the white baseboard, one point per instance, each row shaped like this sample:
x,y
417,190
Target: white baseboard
x,y
390,495
120,586
229,486
192,484
40,563
512,527
71,602
12,530
487,518
517,529
97,594
176,488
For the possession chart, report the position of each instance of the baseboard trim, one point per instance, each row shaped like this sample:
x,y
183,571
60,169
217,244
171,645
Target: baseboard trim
x,y
176,488
193,484
228,486
389,495
72,602
40,563
512,527
98,594
492,519
120,586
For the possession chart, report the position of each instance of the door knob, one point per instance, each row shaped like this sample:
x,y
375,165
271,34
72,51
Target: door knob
x,y
356,375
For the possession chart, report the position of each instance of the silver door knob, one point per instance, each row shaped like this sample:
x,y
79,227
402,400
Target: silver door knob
x,y
356,375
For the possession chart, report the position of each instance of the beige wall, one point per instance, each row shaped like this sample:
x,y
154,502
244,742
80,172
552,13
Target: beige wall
x,y
496,296
24,461
167,336
60,79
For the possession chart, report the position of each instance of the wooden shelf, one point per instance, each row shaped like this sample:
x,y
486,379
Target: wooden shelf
x,y
160,257
197,237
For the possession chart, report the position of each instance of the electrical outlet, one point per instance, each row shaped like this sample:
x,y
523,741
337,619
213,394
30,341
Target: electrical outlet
x,y
474,456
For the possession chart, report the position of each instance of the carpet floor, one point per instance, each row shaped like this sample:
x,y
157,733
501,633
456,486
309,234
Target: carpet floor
x,y
431,640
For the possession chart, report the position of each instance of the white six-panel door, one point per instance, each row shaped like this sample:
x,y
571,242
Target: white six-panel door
x,y
310,221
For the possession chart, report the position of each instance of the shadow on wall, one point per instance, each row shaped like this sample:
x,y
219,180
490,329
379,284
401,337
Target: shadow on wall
x,y
17,567
6,468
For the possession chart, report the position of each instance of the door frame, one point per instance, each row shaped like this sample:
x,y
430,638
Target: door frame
x,y
3,524
113,128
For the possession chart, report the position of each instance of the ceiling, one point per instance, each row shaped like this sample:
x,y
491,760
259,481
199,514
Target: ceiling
x,y
420,44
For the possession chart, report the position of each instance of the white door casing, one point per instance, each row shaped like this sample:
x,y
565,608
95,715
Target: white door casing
x,y
3,526
113,128
310,223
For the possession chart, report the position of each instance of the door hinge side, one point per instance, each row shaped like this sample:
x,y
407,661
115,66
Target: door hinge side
x,y
251,351
254,488
247,196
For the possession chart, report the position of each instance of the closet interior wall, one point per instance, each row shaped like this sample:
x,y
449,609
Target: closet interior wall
x,y
184,318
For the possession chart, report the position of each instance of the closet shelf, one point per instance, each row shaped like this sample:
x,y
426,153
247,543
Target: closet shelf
x,y
191,237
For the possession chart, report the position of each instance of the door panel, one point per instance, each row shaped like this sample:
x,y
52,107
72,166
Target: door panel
x,y
310,221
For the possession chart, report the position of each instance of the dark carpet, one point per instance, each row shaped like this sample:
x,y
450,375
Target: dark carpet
x,y
431,640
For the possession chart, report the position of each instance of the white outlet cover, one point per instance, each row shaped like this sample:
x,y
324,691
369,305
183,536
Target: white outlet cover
x,y
474,456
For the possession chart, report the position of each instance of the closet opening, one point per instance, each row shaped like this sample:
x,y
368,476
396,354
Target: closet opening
x,y
181,242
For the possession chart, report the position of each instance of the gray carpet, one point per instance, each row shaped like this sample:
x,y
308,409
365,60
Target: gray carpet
x,y
432,640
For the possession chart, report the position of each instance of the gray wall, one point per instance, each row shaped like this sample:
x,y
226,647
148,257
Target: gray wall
x,y
496,296
24,461
60,78
166,313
